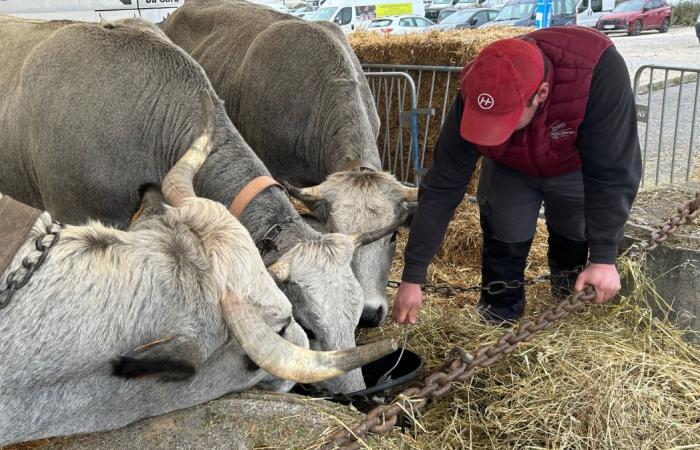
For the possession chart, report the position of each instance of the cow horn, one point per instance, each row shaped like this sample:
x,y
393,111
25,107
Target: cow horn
x,y
410,194
368,237
177,185
279,270
286,360
307,195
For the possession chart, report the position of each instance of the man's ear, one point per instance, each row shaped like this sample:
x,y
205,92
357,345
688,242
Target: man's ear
x,y
542,94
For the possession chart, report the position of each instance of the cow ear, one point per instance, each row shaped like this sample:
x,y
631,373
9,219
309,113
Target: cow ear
x,y
411,207
314,222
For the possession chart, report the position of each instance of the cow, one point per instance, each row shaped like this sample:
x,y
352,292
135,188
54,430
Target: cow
x,y
298,95
117,325
92,113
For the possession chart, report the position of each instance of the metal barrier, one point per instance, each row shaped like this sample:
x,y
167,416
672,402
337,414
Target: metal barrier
x,y
430,90
417,98
389,90
667,99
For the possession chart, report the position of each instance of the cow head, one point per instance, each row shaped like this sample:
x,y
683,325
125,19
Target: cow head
x,y
327,299
355,202
263,345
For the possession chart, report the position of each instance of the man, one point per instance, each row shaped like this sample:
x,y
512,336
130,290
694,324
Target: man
x,y
553,114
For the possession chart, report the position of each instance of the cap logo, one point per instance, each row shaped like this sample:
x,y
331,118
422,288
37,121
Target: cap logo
x,y
485,101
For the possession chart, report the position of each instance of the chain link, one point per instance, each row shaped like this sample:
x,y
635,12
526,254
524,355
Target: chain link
x,y
493,287
17,279
684,213
460,367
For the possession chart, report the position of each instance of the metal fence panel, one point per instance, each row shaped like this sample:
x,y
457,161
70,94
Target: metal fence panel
x,y
667,114
434,88
667,99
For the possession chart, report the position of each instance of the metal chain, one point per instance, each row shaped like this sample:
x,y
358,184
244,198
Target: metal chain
x,y
493,287
685,212
460,367
17,279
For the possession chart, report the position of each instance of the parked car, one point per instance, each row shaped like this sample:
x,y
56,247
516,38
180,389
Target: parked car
x,y
589,11
635,16
445,13
352,14
400,24
521,13
697,28
433,10
463,4
467,18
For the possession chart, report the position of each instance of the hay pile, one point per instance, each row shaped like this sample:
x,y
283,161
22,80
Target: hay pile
x,y
453,48
609,377
434,48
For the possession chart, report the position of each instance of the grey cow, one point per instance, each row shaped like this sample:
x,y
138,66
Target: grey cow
x,y
91,113
298,95
184,294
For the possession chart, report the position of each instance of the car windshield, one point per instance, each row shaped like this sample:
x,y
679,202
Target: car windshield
x,y
629,6
324,13
515,11
458,17
442,2
379,23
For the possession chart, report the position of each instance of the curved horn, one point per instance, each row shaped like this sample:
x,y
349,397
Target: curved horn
x,y
368,237
279,270
286,360
410,194
306,195
177,185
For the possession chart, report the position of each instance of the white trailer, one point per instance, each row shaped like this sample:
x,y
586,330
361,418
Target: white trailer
x,y
90,10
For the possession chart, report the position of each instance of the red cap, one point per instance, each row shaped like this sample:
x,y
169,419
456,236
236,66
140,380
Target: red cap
x,y
496,89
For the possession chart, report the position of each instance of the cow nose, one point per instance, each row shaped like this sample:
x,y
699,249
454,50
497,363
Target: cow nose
x,y
371,317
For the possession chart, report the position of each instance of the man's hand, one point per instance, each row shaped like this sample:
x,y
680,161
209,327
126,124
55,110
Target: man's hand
x,y
407,303
603,277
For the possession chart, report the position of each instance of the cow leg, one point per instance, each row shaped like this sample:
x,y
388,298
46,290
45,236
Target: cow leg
x,y
174,358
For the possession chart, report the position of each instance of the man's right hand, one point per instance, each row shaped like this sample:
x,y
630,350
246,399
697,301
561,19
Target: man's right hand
x,y
407,303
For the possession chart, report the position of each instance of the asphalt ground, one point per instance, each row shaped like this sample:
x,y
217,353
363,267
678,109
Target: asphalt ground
x,y
666,145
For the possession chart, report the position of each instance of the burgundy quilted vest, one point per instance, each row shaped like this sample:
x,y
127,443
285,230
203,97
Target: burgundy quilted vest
x,y
547,146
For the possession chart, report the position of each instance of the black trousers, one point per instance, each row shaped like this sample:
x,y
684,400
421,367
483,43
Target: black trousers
x,y
509,205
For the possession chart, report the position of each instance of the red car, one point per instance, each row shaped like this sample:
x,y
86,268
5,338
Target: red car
x,y
635,16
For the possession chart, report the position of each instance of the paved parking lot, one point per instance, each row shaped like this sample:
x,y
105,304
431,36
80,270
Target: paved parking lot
x,y
666,147
678,47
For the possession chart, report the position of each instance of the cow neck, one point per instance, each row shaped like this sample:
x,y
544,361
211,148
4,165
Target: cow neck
x,y
357,165
249,192
274,221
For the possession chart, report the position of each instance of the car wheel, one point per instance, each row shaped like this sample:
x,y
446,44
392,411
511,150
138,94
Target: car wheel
x,y
665,25
636,28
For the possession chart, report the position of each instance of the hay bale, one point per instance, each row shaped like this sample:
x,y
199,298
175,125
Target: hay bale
x,y
453,48
611,376
434,48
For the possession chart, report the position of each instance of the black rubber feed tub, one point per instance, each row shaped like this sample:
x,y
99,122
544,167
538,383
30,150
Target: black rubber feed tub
x,y
405,371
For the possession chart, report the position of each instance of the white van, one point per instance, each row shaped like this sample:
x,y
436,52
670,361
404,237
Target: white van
x,y
353,14
90,10
589,11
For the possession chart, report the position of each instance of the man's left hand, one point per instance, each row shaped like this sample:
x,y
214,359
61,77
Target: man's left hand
x,y
603,277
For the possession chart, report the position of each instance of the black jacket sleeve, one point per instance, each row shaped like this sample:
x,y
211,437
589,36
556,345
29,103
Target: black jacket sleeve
x,y
440,192
610,156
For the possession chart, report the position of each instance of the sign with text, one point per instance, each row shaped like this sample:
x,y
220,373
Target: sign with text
x,y
394,9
